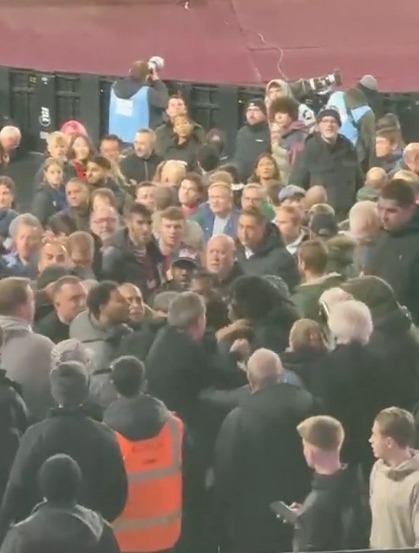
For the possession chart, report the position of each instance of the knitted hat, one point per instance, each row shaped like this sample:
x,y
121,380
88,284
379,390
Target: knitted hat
x,y
59,478
329,112
69,384
257,103
370,82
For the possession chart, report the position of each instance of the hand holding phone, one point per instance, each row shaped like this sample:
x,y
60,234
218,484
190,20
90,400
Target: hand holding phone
x,y
286,513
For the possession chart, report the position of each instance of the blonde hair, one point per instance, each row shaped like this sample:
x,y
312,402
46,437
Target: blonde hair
x,y
220,184
323,432
53,161
302,331
57,137
221,176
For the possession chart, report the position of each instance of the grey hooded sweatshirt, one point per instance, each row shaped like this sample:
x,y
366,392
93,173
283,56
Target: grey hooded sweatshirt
x,y
394,501
26,356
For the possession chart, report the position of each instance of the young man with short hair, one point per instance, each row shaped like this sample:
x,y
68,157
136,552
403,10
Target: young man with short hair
x,y
394,481
396,256
332,517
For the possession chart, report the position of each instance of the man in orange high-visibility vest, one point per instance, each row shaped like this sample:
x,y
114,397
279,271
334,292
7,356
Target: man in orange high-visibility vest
x,y
150,438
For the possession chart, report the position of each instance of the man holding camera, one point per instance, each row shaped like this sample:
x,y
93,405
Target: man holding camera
x,y
138,101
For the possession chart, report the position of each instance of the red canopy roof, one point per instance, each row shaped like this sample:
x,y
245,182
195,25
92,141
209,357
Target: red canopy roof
x,y
230,41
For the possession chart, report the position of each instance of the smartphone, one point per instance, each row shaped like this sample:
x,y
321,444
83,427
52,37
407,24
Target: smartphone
x,y
282,511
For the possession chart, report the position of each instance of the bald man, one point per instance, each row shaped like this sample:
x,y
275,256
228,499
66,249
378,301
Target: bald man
x,y
259,459
20,165
220,260
375,180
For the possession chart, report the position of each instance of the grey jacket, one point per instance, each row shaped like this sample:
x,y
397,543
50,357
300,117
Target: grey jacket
x,y
102,344
27,359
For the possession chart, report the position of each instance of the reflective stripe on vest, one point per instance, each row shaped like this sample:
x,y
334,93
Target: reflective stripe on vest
x,y
122,525
145,528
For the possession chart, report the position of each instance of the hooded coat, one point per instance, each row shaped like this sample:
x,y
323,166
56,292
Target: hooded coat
x,y
27,358
396,260
270,258
394,502
305,114
52,527
341,250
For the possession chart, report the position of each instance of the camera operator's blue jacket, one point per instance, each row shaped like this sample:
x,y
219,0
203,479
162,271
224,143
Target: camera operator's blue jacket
x,y
136,105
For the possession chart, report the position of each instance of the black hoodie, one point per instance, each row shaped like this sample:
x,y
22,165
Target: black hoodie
x,y
157,96
270,258
64,528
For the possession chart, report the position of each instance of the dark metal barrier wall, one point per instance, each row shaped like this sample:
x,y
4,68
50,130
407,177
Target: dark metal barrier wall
x,y
40,102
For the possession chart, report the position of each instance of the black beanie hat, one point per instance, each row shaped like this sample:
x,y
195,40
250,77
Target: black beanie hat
x,y
257,103
59,478
329,112
69,384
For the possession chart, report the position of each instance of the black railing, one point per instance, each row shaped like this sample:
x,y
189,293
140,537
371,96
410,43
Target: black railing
x,y
41,102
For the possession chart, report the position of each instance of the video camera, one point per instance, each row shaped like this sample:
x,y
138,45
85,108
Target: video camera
x,y
317,85
155,64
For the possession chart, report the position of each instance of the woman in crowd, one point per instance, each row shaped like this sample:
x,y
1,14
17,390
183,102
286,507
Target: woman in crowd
x,y
50,197
266,173
80,151
185,143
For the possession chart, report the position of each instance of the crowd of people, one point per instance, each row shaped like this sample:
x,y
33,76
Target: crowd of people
x,y
208,353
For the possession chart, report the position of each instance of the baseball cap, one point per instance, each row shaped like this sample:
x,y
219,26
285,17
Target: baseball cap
x,y
324,225
289,191
186,256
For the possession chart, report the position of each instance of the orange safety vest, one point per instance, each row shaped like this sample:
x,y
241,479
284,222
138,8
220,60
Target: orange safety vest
x,y
151,520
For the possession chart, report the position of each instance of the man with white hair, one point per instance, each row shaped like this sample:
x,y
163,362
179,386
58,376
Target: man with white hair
x,y
259,459
352,387
20,165
26,236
